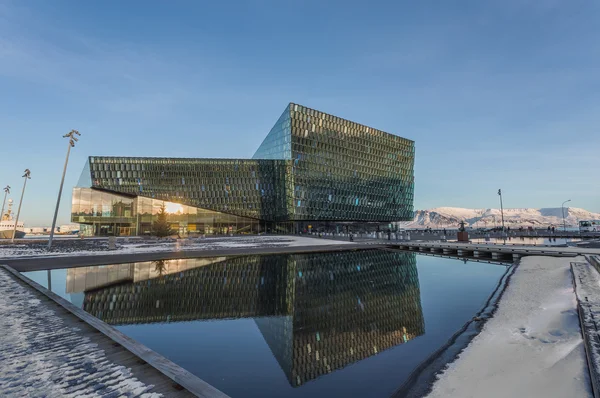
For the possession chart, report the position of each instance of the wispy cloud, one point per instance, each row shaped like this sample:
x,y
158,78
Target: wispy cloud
x,y
120,77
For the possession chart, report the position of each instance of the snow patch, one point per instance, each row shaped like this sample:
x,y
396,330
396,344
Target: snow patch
x,y
532,347
40,356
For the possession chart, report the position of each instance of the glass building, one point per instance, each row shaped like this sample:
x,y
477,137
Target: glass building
x,y
313,171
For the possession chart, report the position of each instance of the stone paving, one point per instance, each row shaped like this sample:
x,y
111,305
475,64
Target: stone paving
x,y
587,289
42,356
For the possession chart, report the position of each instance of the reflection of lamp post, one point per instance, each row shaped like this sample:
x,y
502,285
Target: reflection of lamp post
x,y
6,192
563,214
27,176
72,140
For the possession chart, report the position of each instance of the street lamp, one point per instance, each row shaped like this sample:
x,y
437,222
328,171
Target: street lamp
x,y
563,214
6,192
501,209
72,140
27,176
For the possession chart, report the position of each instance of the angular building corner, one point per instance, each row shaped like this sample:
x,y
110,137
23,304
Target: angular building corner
x,y
312,172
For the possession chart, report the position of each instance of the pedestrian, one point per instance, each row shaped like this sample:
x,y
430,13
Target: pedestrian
x,y
552,230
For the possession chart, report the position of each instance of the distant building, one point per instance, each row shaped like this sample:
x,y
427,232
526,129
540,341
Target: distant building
x,y
37,230
68,228
63,229
313,171
317,312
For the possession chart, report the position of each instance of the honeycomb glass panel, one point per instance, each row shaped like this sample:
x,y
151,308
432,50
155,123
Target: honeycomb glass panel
x,y
311,166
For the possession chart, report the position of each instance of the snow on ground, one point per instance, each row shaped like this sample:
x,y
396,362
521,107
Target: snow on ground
x,y
41,356
532,347
153,246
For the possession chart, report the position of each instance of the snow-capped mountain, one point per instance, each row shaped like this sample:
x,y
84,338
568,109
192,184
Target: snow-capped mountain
x,y
450,217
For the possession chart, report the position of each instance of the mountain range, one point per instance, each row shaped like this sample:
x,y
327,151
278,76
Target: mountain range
x,y
450,217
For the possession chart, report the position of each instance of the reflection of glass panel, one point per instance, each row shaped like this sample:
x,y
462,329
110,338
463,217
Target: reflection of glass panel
x,y
317,312
85,202
75,203
106,204
96,203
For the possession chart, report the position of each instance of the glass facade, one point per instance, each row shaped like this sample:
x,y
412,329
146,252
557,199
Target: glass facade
x,y
311,168
278,143
317,312
108,213
347,171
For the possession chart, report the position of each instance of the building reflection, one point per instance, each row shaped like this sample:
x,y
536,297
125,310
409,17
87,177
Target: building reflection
x,y
317,312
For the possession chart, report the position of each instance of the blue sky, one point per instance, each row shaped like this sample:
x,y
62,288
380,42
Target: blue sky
x,y
496,94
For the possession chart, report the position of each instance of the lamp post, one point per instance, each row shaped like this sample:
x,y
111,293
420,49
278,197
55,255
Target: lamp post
x,y
6,192
563,214
501,209
27,176
72,140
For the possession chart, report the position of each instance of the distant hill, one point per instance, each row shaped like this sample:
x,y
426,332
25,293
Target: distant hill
x,y
450,217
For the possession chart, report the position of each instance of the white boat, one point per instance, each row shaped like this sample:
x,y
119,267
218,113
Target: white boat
x,y
7,224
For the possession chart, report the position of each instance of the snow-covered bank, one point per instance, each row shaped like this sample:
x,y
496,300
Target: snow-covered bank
x,y
532,347
153,246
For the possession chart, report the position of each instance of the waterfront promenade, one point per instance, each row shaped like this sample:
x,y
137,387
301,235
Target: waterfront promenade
x,y
43,330
139,250
34,263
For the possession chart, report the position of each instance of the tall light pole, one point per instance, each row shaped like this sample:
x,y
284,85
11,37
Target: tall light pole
x,y
27,176
501,208
72,140
6,192
563,214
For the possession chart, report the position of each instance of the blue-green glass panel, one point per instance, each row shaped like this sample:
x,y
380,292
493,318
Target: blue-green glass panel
x,y
278,143
85,180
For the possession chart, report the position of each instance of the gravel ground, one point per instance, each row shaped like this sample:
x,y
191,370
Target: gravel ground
x,y
34,247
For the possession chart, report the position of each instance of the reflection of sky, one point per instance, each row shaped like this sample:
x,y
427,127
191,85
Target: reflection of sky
x,y
77,299
233,356
58,280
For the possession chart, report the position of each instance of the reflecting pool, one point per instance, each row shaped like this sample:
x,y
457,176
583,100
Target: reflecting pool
x,y
348,324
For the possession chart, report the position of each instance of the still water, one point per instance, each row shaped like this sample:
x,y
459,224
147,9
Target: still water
x,y
349,324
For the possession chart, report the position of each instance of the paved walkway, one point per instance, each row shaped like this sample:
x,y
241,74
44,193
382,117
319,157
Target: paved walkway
x,y
25,264
46,351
